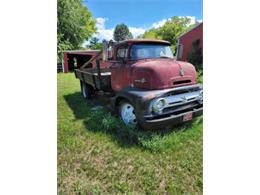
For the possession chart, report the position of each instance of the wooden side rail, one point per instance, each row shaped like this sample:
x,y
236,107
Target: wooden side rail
x,y
90,60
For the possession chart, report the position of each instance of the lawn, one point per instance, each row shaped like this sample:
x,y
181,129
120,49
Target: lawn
x,y
97,154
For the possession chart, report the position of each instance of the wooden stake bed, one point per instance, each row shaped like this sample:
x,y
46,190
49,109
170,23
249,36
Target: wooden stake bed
x,y
91,76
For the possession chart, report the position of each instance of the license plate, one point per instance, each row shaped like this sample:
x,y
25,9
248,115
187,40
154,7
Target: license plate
x,y
187,117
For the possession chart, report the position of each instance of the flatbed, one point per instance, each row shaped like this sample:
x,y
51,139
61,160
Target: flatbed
x,y
92,77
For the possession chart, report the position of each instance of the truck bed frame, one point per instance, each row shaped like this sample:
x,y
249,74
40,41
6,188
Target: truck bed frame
x,y
100,79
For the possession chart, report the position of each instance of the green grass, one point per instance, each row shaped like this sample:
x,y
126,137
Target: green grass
x,y
200,76
97,154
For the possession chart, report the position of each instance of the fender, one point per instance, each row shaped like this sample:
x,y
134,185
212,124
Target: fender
x,y
141,98
141,95
133,95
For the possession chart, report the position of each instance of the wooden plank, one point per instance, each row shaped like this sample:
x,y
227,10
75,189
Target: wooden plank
x,y
91,59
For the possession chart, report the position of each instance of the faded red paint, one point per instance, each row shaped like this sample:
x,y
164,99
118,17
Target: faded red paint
x,y
159,77
131,41
158,74
164,72
65,63
188,38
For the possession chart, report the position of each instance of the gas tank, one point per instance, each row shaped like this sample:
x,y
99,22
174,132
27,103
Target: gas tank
x,y
162,74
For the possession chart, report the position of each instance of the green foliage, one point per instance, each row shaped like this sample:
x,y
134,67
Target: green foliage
x,y
97,154
170,31
122,33
200,76
151,34
62,46
74,25
95,44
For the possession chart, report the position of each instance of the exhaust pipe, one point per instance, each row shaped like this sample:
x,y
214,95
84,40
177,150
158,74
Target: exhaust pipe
x,y
105,50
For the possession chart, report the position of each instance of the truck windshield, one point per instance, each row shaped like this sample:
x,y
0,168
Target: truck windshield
x,y
142,51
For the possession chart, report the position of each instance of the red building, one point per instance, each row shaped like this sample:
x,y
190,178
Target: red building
x,y
191,43
75,59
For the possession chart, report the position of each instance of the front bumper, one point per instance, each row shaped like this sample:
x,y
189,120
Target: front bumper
x,y
175,110
169,121
173,113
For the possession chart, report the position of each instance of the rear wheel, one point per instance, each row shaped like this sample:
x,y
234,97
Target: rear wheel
x,y
86,90
127,114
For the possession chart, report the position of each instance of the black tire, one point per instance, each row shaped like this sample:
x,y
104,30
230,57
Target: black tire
x,y
86,90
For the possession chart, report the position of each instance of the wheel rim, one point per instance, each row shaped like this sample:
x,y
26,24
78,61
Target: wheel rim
x,y
128,114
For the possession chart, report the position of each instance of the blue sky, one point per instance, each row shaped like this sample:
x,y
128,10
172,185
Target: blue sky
x,y
140,15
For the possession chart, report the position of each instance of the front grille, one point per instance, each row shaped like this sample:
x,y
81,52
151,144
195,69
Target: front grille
x,y
182,107
179,100
181,82
180,91
171,112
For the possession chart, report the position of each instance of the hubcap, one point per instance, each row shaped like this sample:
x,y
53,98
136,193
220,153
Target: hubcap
x,y
128,114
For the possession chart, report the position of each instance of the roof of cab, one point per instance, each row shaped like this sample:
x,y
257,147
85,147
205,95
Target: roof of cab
x,y
143,41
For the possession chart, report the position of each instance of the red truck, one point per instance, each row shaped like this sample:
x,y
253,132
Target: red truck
x,y
143,82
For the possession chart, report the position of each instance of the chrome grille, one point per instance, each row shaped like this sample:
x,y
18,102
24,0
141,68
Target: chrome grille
x,y
182,101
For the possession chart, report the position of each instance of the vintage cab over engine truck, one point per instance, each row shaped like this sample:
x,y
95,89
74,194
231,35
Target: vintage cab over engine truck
x,y
144,83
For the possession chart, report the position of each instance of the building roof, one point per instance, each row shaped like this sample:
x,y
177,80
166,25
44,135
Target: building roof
x,y
82,52
196,26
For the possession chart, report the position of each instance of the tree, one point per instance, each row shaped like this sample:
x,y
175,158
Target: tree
x,y
74,25
170,31
95,44
122,32
151,34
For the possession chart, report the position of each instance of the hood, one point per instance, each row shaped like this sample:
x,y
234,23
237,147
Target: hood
x,y
162,73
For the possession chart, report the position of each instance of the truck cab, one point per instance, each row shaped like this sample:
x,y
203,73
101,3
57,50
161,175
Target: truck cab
x,y
149,64
148,86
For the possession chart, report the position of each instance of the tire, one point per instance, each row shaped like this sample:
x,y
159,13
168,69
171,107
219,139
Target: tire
x,y
127,114
86,90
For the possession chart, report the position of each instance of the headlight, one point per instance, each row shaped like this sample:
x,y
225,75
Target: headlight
x,y
201,97
159,104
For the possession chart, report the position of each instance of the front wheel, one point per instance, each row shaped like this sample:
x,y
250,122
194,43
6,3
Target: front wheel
x,y
127,114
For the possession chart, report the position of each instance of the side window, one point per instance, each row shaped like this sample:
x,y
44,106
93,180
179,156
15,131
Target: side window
x,y
121,53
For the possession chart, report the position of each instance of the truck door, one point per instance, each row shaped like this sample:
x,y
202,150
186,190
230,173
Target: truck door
x,y
120,70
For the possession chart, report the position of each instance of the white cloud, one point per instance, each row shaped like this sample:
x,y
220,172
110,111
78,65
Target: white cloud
x,y
107,34
102,32
101,23
192,19
136,31
160,23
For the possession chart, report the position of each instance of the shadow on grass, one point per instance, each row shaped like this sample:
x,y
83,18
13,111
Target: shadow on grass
x,y
102,120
